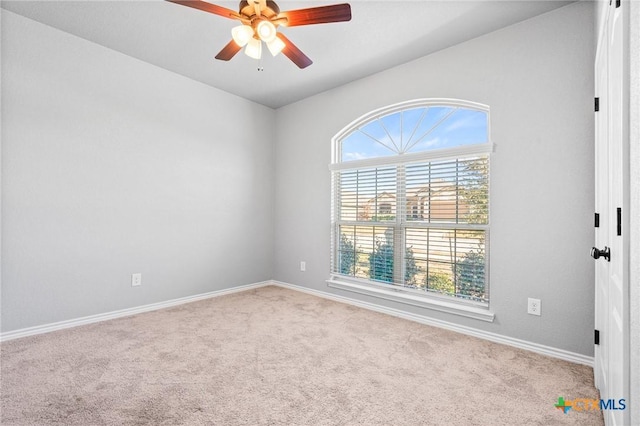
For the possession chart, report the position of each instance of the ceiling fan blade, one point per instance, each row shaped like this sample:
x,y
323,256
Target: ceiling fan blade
x,y
317,15
229,51
208,7
292,52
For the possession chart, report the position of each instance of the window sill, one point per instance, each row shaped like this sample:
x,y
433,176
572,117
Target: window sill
x,y
435,303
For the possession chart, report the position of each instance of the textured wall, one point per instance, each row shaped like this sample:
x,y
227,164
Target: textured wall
x,y
537,78
112,166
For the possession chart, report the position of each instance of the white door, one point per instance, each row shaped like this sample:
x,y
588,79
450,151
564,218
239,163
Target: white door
x,y
601,208
611,170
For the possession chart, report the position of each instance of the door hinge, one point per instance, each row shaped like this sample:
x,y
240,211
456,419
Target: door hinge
x,y
619,217
597,104
596,221
596,337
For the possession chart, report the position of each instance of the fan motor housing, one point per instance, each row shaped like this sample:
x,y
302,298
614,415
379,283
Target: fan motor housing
x,y
249,11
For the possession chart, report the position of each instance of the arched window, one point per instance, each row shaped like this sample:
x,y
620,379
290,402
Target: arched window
x,y
410,185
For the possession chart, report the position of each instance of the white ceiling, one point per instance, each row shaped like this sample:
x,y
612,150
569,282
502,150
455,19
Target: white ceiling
x,y
381,34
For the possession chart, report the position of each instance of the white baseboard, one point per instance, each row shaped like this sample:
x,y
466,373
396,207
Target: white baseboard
x,y
493,337
46,328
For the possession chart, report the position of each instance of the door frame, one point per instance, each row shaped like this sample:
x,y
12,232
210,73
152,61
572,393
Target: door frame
x,y
634,211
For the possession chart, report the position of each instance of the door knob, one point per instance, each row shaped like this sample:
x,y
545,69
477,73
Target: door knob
x,y
606,253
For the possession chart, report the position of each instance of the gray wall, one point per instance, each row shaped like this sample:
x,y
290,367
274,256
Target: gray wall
x,y
537,77
112,166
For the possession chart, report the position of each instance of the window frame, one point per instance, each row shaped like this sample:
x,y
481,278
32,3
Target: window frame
x,y
392,291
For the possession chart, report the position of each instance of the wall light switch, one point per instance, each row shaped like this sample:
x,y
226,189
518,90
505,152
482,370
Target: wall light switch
x,y
303,266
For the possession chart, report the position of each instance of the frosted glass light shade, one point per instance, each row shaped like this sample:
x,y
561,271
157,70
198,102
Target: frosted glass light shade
x,y
254,48
242,34
266,31
275,46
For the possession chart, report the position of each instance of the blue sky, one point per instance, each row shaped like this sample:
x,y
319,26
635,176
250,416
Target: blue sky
x,y
416,130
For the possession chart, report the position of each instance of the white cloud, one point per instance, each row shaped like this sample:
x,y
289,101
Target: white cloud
x,y
351,156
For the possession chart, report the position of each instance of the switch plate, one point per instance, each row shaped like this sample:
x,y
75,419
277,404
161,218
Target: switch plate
x,y
303,266
136,279
533,306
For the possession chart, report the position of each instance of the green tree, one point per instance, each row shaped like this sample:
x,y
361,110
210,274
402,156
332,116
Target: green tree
x,y
381,262
474,190
470,274
470,269
441,282
411,269
347,256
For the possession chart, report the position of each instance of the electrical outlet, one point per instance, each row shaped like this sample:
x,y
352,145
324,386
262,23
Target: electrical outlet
x,y
136,279
533,307
303,266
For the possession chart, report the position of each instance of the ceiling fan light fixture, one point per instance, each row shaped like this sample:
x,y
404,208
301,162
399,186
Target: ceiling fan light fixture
x,y
242,34
260,21
266,31
253,49
275,46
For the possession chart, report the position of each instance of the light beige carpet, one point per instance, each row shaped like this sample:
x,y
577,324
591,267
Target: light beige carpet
x,y
276,356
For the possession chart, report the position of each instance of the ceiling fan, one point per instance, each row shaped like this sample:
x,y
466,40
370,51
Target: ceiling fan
x,y
260,20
